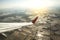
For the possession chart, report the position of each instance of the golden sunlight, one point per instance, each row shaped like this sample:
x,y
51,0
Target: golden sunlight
x,y
39,12
38,7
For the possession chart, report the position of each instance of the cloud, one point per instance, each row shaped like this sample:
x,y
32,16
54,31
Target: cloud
x,y
14,16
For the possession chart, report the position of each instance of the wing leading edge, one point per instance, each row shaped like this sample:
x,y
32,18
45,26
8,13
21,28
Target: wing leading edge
x,y
4,27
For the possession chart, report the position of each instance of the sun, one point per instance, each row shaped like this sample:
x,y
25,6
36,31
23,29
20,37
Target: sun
x,y
37,3
38,7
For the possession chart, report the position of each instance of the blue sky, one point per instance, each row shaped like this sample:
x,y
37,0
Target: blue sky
x,y
10,1
6,3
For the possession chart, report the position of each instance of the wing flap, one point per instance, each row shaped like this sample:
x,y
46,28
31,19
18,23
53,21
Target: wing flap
x,y
11,26
4,27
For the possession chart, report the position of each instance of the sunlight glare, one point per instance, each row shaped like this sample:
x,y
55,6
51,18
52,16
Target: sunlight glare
x,y
37,3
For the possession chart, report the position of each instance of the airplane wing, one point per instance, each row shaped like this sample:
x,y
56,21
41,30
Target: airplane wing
x,y
4,27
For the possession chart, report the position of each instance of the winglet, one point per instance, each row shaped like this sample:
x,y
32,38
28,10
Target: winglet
x,y
34,20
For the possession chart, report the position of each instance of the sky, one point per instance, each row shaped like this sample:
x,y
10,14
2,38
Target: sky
x,y
28,3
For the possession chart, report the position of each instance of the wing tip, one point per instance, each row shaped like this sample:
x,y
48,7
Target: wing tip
x,y
34,20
